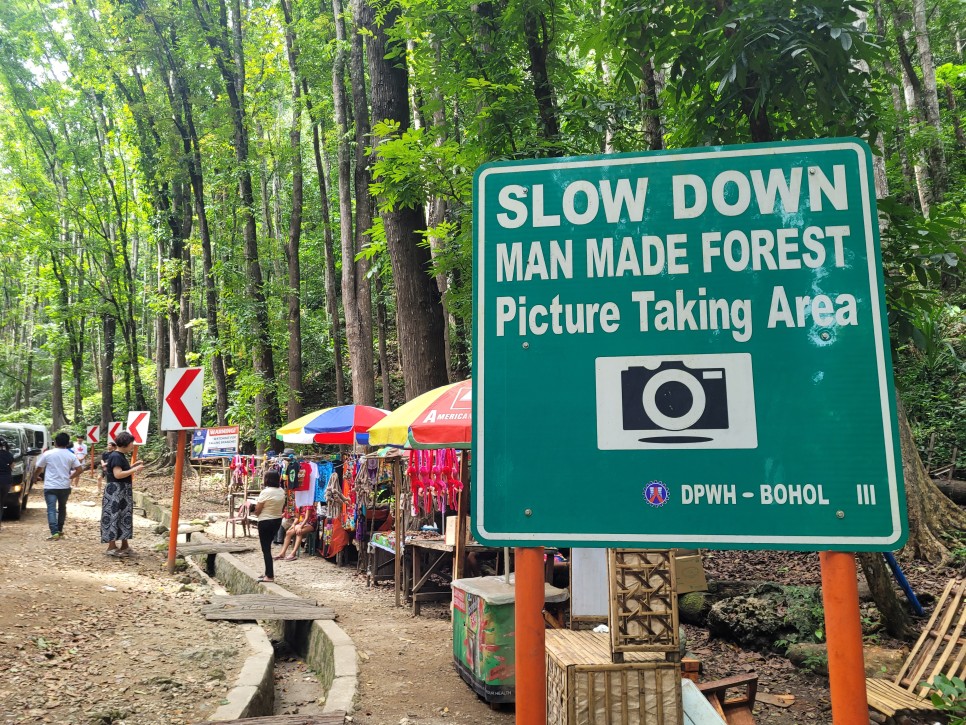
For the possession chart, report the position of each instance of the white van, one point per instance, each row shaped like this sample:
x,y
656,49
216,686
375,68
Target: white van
x,y
37,435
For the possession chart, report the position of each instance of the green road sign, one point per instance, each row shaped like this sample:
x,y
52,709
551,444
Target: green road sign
x,y
684,348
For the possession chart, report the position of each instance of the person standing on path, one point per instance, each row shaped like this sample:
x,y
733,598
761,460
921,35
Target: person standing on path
x,y
268,509
117,507
60,467
80,450
6,473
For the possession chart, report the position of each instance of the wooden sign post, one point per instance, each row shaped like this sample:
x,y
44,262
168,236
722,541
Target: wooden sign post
x,y
180,411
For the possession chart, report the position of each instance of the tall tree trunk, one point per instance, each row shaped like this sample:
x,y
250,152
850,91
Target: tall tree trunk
x,y
653,131
383,334
435,215
418,300
356,310
931,514
538,47
234,78
331,295
107,370
364,204
957,121
58,420
930,100
913,98
295,226
894,616
899,130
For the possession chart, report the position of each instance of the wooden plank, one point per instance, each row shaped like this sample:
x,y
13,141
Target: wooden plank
x,y
212,548
889,698
955,598
914,654
252,607
943,661
335,718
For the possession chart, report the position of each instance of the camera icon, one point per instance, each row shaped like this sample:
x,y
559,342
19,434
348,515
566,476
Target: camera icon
x,y
676,401
674,397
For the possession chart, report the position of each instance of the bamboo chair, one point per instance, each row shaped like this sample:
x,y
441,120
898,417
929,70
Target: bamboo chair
x,y
941,650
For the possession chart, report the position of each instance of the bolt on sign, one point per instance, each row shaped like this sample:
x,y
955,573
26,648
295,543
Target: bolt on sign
x,y
684,348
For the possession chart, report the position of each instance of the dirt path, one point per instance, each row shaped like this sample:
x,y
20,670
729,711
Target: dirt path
x,y
86,638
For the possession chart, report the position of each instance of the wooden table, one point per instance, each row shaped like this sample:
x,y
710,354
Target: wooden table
x,y
428,554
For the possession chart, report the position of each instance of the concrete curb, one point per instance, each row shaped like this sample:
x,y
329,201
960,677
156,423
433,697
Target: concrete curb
x,y
325,647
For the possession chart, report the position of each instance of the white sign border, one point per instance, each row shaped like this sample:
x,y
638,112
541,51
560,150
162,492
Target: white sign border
x,y
891,443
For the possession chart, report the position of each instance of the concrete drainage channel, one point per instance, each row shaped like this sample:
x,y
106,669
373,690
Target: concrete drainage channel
x,y
321,644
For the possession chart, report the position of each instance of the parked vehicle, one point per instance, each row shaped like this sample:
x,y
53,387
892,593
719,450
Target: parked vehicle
x,y
24,458
37,435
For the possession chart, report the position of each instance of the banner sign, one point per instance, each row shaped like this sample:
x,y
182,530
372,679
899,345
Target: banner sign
x,y
215,442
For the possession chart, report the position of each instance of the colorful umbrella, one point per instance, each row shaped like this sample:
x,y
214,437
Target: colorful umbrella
x,y
342,425
440,418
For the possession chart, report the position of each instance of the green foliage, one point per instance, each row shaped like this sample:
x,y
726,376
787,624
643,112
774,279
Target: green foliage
x,y
948,695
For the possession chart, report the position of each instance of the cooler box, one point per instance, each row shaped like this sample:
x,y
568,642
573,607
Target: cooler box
x,y
483,631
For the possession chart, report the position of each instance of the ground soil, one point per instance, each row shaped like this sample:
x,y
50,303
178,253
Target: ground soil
x,y
86,638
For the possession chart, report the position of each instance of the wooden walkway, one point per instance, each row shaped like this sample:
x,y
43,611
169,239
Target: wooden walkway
x,y
336,718
253,607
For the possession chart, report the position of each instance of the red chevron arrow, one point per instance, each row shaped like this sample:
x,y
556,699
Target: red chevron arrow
x,y
92,433
113,431
133,427
174,398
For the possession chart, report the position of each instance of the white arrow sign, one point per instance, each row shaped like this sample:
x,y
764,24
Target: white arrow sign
x,y
94,434
113,428
181,407
137,425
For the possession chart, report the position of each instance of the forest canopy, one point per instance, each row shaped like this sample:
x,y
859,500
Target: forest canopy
x,y
280,190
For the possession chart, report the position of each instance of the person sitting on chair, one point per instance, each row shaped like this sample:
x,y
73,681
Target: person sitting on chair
x,y
304,525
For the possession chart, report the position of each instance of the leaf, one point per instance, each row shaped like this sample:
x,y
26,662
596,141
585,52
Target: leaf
x,y
835,32
846,41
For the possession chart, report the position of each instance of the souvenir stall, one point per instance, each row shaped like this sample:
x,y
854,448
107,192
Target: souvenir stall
x,y
435,426
329,482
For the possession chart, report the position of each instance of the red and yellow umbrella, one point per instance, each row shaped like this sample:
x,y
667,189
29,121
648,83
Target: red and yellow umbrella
x,y
439,418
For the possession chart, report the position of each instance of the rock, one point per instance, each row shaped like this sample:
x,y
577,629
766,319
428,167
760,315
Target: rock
x,y
883,662
809,656
770,617
877,717
693,608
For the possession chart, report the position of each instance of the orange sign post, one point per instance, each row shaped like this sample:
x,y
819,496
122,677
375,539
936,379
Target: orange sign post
x,y
176,501
843,631
530,638
180,411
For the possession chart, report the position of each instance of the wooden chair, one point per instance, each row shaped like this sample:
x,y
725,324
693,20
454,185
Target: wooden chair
x,y
734,709
242,516
941,650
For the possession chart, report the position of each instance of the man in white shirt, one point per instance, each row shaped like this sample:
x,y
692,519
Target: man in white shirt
x,y
80,450
60,467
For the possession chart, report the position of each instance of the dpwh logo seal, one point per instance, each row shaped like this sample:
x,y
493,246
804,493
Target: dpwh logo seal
x,y
656,494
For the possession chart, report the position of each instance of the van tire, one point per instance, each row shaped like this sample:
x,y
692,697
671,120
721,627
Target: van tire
x,y
14,511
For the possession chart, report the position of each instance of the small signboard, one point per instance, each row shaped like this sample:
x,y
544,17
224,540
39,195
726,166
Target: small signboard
x,y
113,428
181,407
215,442
93,434
137,425
684,349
